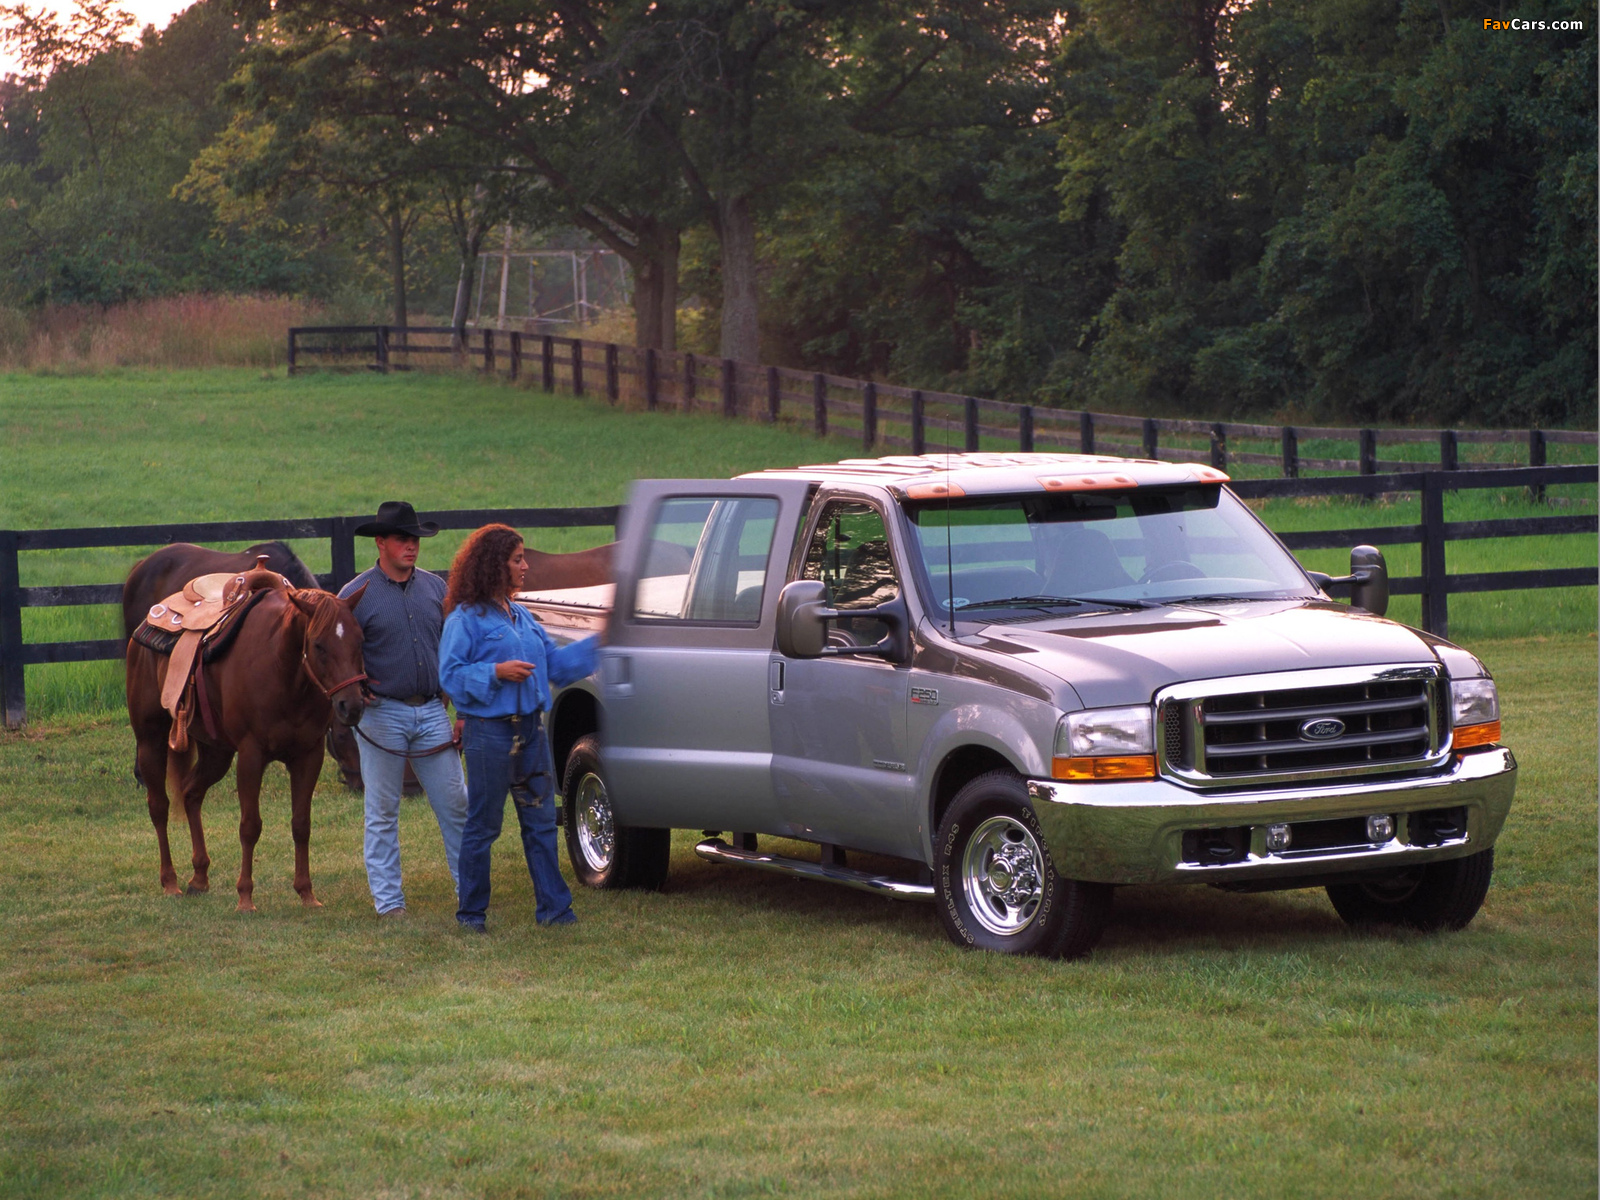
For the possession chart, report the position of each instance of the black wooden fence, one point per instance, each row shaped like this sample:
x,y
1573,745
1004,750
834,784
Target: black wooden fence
x,y
1434,585
885,417
15,654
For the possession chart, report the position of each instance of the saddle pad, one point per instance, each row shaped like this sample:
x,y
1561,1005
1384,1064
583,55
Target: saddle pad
x,y
217,640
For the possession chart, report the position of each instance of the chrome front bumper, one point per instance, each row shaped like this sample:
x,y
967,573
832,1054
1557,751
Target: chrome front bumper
x,y
1133,832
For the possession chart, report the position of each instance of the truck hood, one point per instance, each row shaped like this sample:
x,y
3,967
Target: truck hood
x,y
1125,657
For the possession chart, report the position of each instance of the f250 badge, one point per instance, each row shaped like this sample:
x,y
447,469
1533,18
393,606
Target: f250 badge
x,y
924,695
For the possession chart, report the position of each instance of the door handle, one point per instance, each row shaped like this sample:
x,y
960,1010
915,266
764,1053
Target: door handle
x,y
616,676
775,680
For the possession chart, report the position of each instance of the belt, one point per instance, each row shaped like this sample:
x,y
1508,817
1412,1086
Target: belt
x,y
413,701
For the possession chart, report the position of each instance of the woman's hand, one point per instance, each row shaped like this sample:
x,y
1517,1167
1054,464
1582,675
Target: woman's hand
x,y
514,671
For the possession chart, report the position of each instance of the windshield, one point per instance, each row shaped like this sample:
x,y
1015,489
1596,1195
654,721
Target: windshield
x,y
1118,548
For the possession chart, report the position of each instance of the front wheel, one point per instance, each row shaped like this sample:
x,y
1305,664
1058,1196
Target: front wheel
x,y
1441,895
998,889
603,853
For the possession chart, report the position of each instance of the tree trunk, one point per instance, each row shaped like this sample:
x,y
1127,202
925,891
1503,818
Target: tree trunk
x,y
655,288
397,264
741,335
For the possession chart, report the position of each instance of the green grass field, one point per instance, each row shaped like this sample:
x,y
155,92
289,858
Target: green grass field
x,y
738,1034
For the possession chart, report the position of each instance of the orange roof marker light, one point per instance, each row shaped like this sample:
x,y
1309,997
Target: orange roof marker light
x,y
1085,483
934,491
1211,475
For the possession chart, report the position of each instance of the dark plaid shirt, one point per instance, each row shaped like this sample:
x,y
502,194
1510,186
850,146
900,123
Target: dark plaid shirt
x,y
401,623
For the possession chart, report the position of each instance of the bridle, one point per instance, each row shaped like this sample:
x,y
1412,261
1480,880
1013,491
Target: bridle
x,y
305,663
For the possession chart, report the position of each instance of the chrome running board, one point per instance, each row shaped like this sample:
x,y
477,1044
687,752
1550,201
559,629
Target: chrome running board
x,y
717,850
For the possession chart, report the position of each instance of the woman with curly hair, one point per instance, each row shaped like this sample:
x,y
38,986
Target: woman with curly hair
x,y
497,664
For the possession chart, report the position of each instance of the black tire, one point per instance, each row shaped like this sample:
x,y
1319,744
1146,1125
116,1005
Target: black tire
x,y
604,854
1441,895
997,887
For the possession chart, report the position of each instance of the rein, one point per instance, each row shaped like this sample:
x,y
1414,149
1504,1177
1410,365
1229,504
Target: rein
x,y
406,754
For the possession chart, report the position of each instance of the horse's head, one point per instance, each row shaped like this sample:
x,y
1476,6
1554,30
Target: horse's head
x,y
332,656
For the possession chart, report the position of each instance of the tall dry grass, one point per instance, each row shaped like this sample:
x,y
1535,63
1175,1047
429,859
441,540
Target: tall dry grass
x,y
173,331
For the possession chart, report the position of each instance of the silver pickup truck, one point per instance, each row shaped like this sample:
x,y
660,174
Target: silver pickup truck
x,y
1034,678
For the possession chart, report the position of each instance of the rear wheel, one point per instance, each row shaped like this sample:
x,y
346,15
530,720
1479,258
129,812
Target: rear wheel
x,y
603,853
1441,895
997,886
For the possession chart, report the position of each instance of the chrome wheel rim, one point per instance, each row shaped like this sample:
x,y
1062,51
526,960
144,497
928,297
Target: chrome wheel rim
x,y
1002,876
597,834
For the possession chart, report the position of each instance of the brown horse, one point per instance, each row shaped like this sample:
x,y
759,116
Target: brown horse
x,y
158,575
294,665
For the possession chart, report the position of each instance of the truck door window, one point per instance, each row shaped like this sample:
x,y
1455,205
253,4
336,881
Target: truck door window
x,y
849,552
707,560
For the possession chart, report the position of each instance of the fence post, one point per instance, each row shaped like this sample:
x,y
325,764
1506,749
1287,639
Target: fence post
x,y
1085,433
919,423
819,404
488,352
1150,436
970,420
1435,599
458,345
869,415
652,380
516,355
1369,451
688,382
730,389
1291,453
1449,451
342,551
774,394
12,676
1219,446
547,363
613,374
1025,429
577,366
1536,458
293,335
383,348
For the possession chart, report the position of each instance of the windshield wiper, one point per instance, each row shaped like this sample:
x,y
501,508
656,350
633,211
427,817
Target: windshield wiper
x,y
1021,602
1230,599
1052,602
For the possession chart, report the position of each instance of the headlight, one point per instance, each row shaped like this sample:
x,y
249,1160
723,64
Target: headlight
x,y
1475,712
1105,743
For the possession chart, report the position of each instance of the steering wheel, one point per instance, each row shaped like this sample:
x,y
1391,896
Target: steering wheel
x,y
1178,568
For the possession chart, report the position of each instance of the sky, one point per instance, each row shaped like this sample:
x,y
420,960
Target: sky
x,y
145,12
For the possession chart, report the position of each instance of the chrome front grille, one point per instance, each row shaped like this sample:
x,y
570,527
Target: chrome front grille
x,y
1301,725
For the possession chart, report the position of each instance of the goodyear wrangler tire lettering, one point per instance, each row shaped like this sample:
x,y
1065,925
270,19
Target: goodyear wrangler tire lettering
x,y
998,888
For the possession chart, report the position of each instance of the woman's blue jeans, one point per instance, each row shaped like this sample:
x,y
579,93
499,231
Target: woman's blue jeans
x,y
529,778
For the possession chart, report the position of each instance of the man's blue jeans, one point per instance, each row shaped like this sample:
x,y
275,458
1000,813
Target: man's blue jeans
x,y
529,777
398,726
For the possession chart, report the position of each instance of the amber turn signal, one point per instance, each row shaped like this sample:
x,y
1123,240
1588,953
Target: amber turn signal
x,y
1468,736
1104,766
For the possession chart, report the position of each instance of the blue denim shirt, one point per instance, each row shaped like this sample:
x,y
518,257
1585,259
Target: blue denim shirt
x,y
477,637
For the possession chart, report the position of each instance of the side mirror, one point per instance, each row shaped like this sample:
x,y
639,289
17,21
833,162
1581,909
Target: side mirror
x,y
803,616
1369,580
802,627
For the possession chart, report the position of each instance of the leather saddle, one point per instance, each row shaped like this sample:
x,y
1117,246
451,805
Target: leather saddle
x,y
203,611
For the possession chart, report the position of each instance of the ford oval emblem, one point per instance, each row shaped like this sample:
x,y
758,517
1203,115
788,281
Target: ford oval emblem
x,y
1321,729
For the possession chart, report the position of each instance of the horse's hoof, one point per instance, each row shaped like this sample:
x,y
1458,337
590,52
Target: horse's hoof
x,y
247,906
309,901
172,889
196,889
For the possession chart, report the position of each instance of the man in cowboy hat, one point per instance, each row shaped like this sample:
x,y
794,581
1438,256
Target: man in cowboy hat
x,y
401,616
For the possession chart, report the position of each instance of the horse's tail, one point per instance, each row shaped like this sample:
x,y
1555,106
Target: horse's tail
x,y
180,764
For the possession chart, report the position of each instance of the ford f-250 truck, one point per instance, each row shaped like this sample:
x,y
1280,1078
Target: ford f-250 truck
x,y
1036,677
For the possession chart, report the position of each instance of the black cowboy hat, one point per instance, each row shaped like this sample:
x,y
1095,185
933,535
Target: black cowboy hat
x,y
396,516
